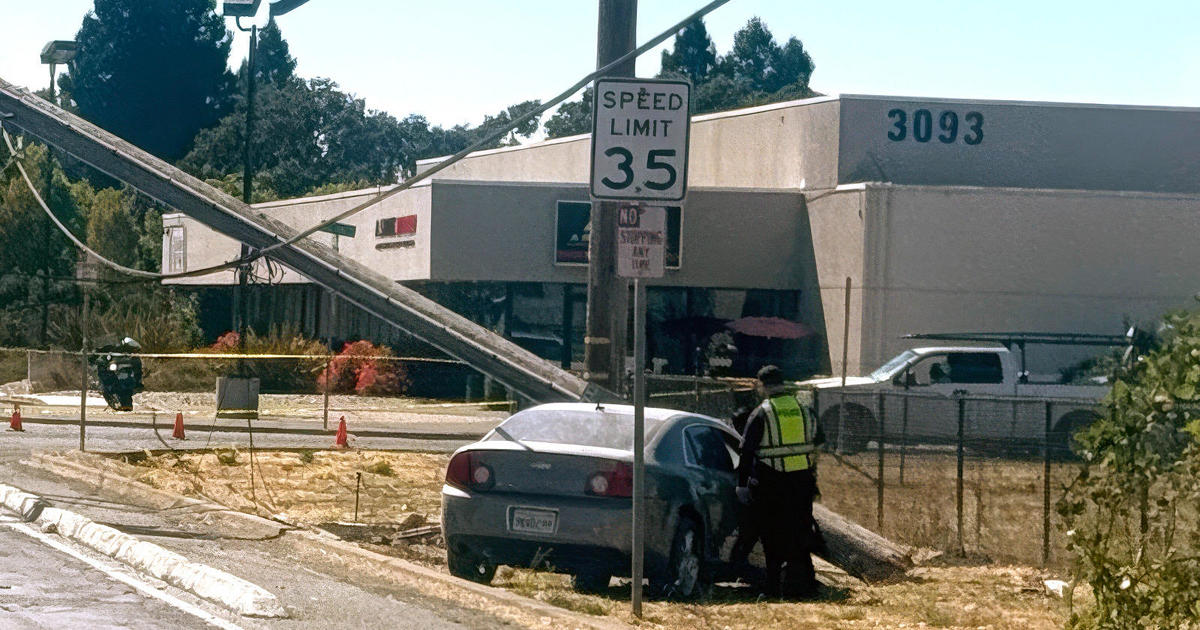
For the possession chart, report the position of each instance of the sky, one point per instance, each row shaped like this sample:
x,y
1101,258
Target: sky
x,y
454,61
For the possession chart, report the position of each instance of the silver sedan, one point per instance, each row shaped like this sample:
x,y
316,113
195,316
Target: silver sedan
x,y
550,488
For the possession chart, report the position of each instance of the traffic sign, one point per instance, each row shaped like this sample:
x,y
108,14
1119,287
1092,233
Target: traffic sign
x,y
641,241
340,229
640,139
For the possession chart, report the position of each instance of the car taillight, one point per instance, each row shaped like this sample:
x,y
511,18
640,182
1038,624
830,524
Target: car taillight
x,y
458,473
465,471
615,482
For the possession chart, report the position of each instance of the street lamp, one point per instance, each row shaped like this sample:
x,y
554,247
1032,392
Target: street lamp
x,y
56,52
239,9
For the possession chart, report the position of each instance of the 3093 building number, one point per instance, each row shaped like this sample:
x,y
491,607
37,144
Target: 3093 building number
x,y
949,129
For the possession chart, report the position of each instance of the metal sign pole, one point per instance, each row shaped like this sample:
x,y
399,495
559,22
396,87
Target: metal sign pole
x,y
639,439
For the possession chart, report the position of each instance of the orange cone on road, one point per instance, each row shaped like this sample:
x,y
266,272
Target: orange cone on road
x,y
340,440
15,423
178,432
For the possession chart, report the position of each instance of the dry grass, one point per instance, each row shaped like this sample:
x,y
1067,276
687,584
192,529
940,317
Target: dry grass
x,y
936,596
1002,503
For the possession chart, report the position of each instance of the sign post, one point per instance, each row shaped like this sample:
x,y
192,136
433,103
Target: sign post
x,y
639,153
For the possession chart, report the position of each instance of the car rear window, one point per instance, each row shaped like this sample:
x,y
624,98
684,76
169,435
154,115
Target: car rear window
x,y
585,428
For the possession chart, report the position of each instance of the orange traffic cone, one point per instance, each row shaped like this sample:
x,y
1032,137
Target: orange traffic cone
x,y
340,441
15,423
178,433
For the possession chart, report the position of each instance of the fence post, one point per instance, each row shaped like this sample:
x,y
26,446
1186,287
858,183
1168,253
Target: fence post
x,y
1046,485
903,435
962,414
882,411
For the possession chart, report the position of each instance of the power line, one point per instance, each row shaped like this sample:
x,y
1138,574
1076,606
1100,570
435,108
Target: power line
x,y
500,133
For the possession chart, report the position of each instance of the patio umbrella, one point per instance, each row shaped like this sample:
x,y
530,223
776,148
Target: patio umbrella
x,y
770,327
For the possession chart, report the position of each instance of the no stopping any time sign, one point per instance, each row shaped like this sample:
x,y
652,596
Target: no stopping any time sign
x,y
640,139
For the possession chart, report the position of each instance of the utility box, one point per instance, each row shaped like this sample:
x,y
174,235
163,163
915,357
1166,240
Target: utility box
x,y
237,397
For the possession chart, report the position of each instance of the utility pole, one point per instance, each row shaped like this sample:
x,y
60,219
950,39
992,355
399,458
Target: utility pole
x,y
608,295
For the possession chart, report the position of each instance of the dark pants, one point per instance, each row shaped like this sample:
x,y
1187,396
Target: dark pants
x,y
783,502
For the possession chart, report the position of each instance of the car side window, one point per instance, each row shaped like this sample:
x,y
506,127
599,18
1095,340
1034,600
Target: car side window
x,y
706,448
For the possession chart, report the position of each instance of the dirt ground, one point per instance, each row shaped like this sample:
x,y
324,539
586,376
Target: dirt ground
x,y
318,487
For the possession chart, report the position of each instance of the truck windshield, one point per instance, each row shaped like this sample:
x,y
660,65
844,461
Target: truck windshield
x,y
890,368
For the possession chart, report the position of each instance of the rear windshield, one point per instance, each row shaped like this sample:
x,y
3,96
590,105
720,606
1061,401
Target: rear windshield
x,y
585,428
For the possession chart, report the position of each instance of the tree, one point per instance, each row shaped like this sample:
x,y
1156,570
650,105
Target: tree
x,y
694,55
1130,516
34,255
572,118
273,62
153,73
307,134
758,61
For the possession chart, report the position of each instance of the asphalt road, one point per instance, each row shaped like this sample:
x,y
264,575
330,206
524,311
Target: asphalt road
x,y
41,587
107,439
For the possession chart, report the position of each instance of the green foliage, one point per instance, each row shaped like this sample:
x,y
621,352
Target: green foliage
x,y
380,467
1131,516
273,62
306,456
153,73
757,71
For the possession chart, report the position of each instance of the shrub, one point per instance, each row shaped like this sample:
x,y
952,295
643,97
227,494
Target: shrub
x,y
1133,514
276,375
362,367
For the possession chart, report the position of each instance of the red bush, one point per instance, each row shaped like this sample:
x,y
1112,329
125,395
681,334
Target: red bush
x,y
361,367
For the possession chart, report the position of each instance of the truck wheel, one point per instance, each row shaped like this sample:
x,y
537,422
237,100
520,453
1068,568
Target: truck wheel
x,y
1061,441
860,428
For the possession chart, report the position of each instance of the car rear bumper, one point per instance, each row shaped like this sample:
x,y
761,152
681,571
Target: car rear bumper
x,y
591,533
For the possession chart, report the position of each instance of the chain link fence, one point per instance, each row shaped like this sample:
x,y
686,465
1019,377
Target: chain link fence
x,y
972,475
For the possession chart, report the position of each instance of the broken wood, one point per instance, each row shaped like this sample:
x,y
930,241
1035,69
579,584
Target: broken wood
x,y
858,550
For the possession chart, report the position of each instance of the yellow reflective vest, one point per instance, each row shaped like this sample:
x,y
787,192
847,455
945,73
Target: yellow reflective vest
x,y
788,434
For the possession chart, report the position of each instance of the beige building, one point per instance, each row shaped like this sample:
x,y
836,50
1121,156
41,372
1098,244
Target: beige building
x,y
946,215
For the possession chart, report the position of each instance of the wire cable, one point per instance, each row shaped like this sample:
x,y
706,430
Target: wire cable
x,y
487,141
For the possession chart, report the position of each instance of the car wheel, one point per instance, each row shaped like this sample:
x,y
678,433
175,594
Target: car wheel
x,y
590,581
860,428
684,576
469,566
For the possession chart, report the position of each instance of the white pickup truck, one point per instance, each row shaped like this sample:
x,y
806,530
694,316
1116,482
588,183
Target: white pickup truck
x,y
915,398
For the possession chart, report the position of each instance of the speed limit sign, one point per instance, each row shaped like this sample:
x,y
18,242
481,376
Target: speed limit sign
x,y
640,139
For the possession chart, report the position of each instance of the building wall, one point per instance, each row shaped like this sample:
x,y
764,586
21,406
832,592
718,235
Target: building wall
x,y
750,239
973,259
837,223
786,145
1021,144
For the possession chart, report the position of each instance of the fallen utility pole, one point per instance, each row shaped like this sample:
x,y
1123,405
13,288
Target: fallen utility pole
x,y
531,377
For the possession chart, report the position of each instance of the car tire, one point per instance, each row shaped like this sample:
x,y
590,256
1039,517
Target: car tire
x,y
684,575
860,428
590,581
469,566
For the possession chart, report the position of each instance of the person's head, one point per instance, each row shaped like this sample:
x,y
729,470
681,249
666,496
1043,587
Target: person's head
x,y
936,372
769,377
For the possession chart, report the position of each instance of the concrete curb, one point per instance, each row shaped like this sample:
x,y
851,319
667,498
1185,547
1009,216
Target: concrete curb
x,y
489,598
204,581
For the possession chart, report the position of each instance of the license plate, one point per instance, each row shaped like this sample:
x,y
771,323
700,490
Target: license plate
x,y
532,521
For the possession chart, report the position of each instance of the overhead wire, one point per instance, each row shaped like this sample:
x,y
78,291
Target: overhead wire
x,y
483,143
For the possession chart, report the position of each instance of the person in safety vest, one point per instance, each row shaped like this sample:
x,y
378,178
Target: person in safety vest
x,y
777,481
